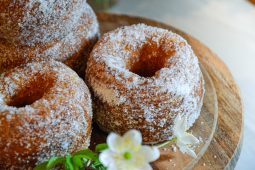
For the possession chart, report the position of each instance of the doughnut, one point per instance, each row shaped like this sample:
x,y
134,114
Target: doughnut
x,y
142,77
29,22
45,111
73,49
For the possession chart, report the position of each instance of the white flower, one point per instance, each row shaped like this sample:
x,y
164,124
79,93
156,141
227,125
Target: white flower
x,y
127,152
185,141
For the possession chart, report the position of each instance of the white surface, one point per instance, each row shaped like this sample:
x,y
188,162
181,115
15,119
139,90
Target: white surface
x,y
225,26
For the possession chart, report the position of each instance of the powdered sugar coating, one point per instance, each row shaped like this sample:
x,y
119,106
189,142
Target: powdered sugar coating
x,y
125,100
29,22
56,124
73,49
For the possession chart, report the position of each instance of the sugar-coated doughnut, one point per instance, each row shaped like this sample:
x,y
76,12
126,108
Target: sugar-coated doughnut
x,y
73,49
142,77
29,22
45,111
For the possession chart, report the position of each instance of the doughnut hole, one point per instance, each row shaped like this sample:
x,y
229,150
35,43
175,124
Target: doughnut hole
x,y
31,91
151,58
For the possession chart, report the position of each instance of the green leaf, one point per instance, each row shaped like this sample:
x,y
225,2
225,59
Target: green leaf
x,y
101,147
68,163
54,161
102,168
41,166
98,165
78,162
88,154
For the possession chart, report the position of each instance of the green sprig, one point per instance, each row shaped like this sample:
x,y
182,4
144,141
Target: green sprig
x,y
167,142
76,161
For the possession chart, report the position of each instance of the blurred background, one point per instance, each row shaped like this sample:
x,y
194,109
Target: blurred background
x,y
227,27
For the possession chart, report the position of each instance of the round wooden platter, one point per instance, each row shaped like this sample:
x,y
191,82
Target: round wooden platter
x,y
224,148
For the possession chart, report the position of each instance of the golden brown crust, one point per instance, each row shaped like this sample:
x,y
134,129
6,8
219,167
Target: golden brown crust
x,y
29,22
72,50
45,111
141,78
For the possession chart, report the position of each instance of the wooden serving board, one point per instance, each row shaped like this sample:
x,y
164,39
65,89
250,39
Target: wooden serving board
x,y
225,146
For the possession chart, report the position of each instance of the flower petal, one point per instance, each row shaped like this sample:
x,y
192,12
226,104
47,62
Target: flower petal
x,y
138,162
115,143
106,157
145,167
122,164
189,139
132,140
150,154
114,161
186,150
178,133
113,167
180,125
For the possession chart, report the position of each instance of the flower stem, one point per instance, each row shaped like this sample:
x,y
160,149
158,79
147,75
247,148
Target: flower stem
x,y
166,142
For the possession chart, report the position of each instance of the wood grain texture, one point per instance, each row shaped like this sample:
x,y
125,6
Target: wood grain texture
x,y
224,149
